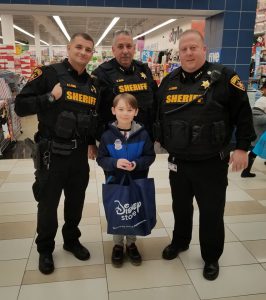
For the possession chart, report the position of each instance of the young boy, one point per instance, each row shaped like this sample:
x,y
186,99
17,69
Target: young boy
x,y
125,146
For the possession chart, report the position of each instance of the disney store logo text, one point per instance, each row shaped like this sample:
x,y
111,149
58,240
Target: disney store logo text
x,y
127,211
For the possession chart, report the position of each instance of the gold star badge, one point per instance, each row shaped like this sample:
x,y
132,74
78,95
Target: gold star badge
x,y
205,84
143,75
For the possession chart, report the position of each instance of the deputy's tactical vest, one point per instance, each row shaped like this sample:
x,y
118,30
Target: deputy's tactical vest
x,y
197,130
83,96
76,108
136,83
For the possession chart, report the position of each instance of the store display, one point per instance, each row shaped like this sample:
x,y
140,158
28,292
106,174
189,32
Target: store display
x,y
258,60
159,71
10,125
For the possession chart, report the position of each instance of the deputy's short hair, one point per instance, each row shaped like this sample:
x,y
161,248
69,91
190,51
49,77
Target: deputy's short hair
x,y
126,32
192,31
84,35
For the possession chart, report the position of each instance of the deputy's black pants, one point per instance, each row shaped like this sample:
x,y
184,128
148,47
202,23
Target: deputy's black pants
x,y
207,181
71,175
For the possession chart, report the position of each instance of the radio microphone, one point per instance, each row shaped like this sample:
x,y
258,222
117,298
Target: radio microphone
x,y
215,76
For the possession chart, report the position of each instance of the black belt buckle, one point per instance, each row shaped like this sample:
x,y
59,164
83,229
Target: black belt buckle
x,y
75,144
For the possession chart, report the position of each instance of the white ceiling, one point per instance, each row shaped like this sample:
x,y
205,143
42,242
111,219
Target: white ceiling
x,y
92,20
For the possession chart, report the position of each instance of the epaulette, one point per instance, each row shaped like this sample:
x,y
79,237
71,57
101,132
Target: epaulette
x,y
175,72
106,65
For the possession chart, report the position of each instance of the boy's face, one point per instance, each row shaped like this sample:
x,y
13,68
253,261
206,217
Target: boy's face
x,y
124,114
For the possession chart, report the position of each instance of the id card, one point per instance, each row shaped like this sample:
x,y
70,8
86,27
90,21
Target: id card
x,y
172,167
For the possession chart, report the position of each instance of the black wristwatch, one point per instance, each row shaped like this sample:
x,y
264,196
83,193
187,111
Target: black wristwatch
x,y
50,97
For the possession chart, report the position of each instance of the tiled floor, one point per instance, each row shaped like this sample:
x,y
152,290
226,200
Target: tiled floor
x,y
243,264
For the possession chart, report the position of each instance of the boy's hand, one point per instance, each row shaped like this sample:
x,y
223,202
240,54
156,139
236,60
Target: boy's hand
x,y
125,164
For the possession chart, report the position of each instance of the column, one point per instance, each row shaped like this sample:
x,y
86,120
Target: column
x,y
7,30
37,42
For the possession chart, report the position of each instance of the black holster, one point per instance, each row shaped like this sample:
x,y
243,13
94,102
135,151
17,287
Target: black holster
x,y
38,149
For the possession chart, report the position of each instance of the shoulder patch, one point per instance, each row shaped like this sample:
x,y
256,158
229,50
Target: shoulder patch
x,y
236,82
36,73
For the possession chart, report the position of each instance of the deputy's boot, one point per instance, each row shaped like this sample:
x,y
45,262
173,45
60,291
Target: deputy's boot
x,y
246,172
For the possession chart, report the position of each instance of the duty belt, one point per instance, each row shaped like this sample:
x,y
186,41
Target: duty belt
x,y
68,145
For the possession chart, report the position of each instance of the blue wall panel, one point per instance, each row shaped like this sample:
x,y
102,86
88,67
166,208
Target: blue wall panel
x,y
114,3
243,56
245,38
233,5
247,20
149,3
200,4
58,2
214,4
77,2
230,38
95,2
166,4
181,4
39,1
242,71
131,3
231,20
249,5
228,56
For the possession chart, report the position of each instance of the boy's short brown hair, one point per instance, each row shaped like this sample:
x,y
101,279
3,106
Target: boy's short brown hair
x,y
128,98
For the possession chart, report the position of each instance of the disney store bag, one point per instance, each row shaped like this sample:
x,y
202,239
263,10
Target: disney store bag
x,y
130,208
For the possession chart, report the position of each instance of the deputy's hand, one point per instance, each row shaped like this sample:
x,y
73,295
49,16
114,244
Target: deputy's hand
x,y
57,91
239,160
92,151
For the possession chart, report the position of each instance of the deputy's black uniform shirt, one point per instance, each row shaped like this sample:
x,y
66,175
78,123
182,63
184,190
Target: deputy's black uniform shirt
x,y
33,98
229,93
107,89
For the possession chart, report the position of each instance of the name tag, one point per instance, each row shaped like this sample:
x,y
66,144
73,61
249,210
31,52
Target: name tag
x,y
172,167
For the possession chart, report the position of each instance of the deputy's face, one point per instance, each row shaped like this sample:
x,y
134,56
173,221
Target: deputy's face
x,y
123,50
80,52
192,52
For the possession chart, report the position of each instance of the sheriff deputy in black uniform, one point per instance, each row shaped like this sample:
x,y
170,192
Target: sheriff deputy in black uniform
x,y
63,97
200,104
123,74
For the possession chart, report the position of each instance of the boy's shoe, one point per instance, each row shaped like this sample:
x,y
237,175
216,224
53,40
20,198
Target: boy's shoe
x,y
118,256
133,254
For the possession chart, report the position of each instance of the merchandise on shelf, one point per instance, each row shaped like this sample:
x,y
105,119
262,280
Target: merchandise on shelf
x,y
159,71
258,59
10,125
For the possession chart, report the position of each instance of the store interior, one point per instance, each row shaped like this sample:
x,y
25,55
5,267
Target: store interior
x,y
41,42
243,264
